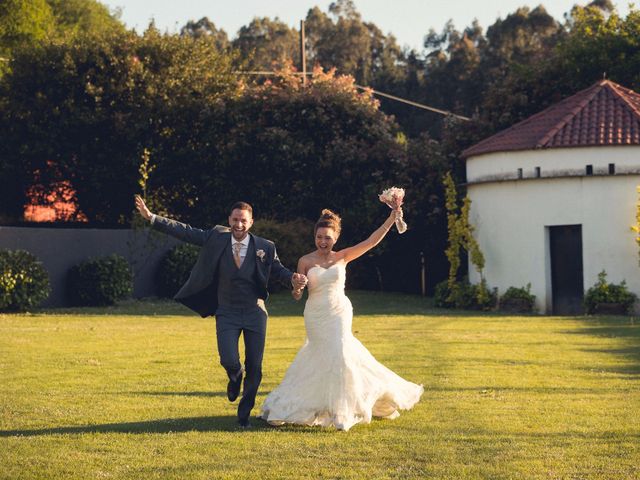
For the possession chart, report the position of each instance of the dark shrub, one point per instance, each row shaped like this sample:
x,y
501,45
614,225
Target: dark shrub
x,y
518,300
24,282
441,295
174,268
603,293
101,281
465,296
293,239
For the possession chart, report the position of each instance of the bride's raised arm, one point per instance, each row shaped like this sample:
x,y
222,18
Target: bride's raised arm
x,y
351,253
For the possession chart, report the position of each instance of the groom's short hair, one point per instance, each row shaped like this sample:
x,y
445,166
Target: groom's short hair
x,y
241,206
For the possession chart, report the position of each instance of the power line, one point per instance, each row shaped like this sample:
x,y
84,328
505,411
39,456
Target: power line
x,y
414,104
375,92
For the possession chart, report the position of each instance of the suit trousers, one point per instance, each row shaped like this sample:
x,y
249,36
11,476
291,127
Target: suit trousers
x,y
251,322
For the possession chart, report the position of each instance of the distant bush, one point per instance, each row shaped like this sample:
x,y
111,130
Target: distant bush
x,y
175,267
100,281
293,239
24,282
519,300
465,296
603,293
441,295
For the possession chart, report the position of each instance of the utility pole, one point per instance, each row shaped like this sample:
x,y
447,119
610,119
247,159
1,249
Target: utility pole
x,y
303,54
423,275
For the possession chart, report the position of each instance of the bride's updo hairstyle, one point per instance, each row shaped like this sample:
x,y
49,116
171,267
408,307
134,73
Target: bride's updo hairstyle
x,y
328,219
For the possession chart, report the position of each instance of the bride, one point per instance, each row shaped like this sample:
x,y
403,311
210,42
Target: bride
x,y
334,380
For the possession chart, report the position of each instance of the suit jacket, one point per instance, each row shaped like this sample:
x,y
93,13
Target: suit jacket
x,y
200,292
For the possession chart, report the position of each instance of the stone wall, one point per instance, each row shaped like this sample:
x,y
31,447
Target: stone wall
x,y
61,248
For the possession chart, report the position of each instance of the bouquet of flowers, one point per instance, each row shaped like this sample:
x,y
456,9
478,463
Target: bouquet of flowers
x,y
394,197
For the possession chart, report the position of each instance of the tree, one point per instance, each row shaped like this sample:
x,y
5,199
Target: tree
x,y
85,111
524,36
452,69
636,228
596,42
326,146
461,238
74,17
266,43
22,22
342,40
205,28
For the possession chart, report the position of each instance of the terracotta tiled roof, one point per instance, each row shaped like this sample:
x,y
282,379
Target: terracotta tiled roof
x,y
601,115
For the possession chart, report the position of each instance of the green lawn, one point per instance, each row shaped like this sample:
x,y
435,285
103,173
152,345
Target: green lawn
x,y
136,392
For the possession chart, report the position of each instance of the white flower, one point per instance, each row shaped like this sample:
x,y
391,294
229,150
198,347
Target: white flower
x,y
392,196
260,254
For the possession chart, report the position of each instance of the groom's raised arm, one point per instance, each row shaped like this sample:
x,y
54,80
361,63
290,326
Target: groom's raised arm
x,y
176,229
179,230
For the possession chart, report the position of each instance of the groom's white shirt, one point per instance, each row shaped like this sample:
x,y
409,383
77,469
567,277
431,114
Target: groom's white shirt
x,y
243,249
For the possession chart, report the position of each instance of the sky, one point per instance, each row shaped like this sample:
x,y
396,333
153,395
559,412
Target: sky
x,y
408,20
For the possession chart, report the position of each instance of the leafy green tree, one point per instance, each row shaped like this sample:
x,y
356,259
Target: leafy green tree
x,y
595,42
266,43
636,227
205,28
452,69
73,17
461,238
22,22
85,112
464,69
600,42
522,37
342,40
292,151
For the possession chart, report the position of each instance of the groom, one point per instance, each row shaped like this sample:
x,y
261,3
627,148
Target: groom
x,y
229,280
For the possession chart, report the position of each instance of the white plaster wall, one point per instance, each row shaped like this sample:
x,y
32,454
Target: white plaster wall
x,y
510,219
557,161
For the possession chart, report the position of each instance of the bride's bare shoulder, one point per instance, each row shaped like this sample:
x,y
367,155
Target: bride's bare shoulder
x,y
305,262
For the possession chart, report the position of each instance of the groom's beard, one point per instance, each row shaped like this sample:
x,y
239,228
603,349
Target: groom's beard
x,y
239,235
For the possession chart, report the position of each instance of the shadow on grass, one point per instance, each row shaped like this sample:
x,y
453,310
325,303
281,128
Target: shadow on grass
x,y
181,394
626,331
496,389
142,307
166,425
221,423
279,304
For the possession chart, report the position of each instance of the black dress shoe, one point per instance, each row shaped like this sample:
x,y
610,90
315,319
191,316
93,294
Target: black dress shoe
x,y
233,387
244,423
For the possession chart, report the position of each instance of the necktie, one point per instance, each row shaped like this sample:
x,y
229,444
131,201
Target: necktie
x,y
236,254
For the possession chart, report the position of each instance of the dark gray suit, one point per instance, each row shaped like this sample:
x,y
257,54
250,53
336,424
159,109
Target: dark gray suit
x,y
235,296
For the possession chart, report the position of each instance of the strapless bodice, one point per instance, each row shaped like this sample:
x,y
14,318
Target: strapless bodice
x,y
326,281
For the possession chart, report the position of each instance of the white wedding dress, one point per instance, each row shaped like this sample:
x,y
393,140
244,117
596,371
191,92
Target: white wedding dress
x,y
334,380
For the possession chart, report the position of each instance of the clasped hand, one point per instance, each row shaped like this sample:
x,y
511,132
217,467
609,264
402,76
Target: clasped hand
x,y
299,281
